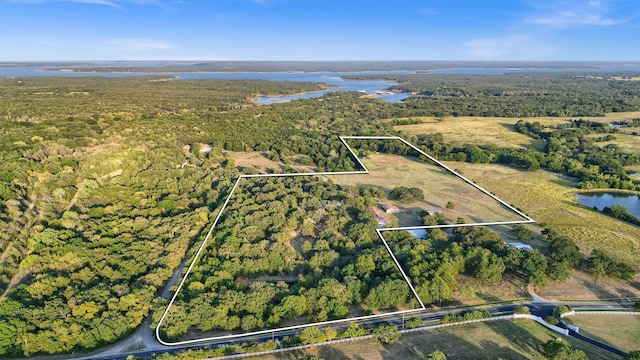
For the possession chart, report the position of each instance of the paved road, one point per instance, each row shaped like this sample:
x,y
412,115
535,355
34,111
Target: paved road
x,y
597,343
150,346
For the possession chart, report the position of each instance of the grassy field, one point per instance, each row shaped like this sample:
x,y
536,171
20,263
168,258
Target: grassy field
x,y
497,131
621,331
262,164
439,187
520,339
549,199
626,142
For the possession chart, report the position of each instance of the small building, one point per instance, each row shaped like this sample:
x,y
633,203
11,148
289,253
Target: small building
x,y
519,245
390,209
434,211
382,222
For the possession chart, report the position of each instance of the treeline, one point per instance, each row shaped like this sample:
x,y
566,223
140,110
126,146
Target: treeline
x,y
37,99
570,149
621,212
516,95
103,187
116,183
434,263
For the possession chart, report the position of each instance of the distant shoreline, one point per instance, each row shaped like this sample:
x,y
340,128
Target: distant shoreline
x,y
161,67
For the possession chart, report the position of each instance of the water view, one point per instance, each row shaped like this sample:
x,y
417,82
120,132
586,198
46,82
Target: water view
x,y
333,79
602,200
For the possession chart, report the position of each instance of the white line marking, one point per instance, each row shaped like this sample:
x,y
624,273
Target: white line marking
x,y
378,231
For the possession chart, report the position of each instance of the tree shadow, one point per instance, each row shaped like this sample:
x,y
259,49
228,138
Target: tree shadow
x,y
290,355
537,144
599,291
626,293
419,345
331,353
505,352
487,297
520,337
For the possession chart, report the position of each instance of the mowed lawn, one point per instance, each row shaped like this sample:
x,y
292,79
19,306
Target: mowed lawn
x,y
621,331
499,131
519,339
439,186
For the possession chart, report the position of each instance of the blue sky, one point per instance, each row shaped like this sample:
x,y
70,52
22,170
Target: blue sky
x,y
35,30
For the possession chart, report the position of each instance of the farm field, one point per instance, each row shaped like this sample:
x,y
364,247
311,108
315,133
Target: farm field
x,y
624,335
519,339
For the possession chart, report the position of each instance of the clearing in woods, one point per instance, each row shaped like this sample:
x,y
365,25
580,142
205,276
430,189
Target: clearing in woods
x,y
499,131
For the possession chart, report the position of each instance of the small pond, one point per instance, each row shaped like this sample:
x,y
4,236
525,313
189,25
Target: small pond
x,y
606,199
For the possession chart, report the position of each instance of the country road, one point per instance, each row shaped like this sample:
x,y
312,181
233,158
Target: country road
x,y
143,344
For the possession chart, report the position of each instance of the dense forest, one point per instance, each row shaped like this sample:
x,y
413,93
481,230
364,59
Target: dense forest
x,y
108,184
289,248
516,95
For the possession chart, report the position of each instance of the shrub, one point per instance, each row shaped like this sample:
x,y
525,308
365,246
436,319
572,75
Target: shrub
x,y
414,322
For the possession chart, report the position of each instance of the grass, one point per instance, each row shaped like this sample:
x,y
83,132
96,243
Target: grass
x,y
439,187
549,198
626,142
519,339
260,162
499,131
633,78
621,331
473,130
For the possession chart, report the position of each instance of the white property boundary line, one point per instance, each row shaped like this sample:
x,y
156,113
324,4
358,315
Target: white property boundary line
x,y
378,231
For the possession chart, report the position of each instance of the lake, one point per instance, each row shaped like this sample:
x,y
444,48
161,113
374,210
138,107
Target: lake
x,y
601,200
333,79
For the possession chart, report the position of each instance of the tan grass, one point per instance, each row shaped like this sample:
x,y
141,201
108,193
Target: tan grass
x,y
549,199
582,286
621,331
259,161
519,339
473,130
626,142
439,186
497,131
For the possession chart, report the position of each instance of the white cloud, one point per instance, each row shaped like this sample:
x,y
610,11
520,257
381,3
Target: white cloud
x,y
134,45
566,14
510,47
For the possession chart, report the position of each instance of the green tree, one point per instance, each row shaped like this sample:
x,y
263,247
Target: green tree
x,y
558,349
522,233
312,335
565,251
633,355
386,334
439,290
414,322
436,355
354,330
